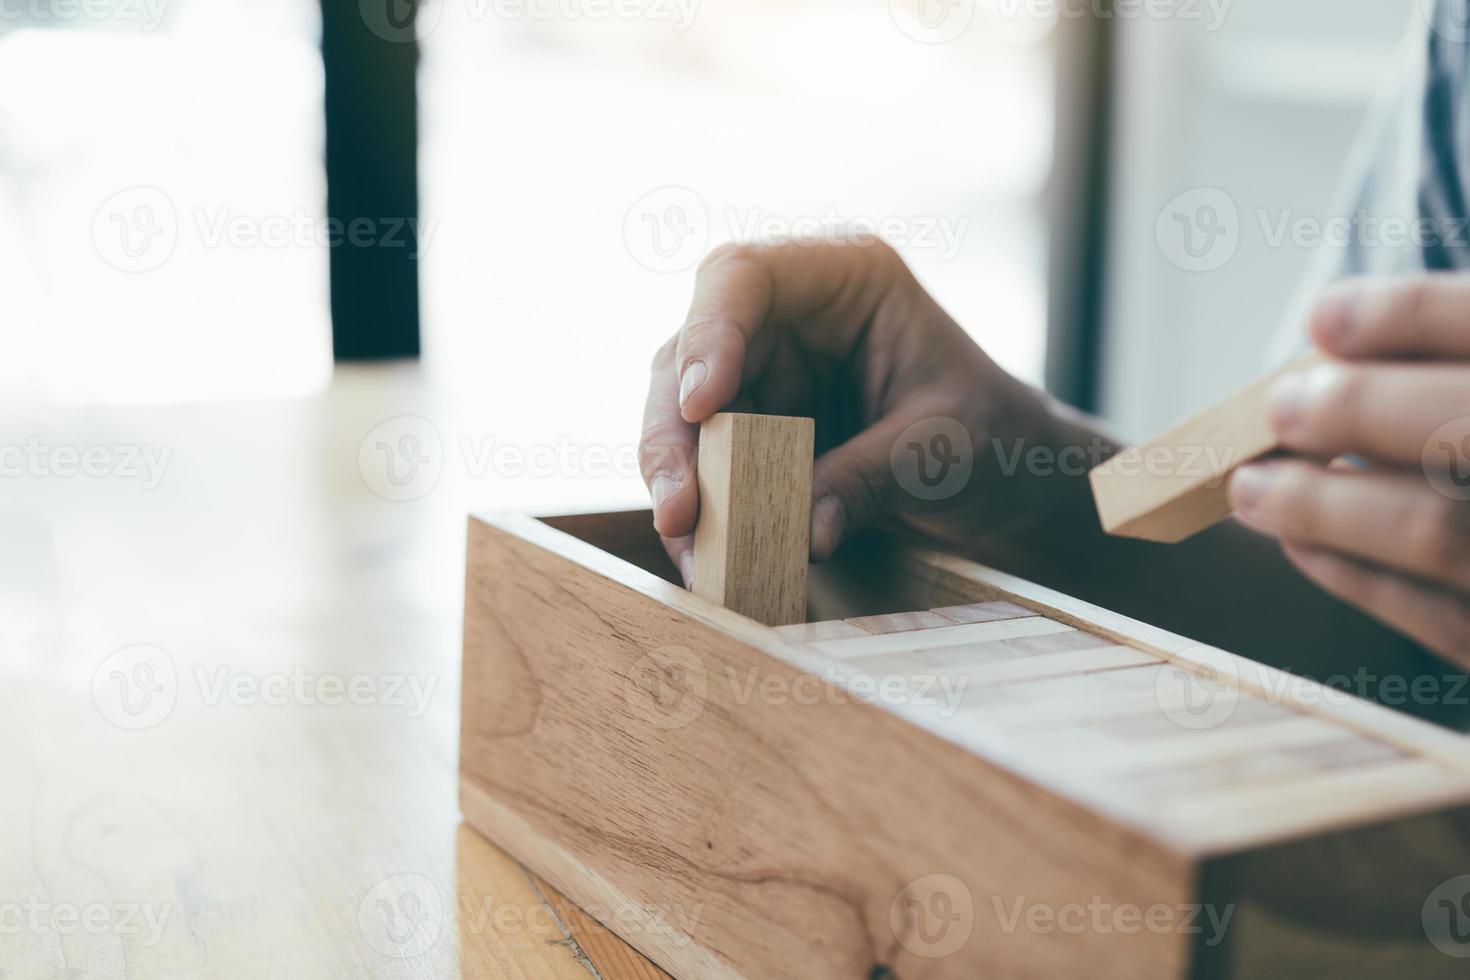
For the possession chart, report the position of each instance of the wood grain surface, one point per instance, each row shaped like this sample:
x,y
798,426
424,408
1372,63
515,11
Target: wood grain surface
x,y
229,709
1175,485
755,498
705,780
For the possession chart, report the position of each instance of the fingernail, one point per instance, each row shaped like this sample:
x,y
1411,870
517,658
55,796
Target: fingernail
x,y
663,487
1287,403
695,373
1248,488
828,520
1334,315
686,568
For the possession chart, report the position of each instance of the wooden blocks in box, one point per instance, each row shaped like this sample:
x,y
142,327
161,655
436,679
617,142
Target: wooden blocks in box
x,y
1176,485
949,773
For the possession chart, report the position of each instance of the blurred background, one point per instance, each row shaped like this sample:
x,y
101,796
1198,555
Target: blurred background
x,y
166,229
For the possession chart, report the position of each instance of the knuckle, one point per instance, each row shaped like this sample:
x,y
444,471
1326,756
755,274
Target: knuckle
x,y
866,488
664,356
662,450
1438,535
1409,300
1296,501
1344,398
698,332
728,253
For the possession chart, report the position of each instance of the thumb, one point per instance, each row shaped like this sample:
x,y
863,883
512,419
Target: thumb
x,y
853,485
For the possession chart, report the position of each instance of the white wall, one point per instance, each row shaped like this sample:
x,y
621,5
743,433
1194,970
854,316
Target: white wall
x,y
1256,115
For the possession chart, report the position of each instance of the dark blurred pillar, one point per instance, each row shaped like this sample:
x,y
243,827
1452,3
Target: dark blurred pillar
x,y
1077,202
370,57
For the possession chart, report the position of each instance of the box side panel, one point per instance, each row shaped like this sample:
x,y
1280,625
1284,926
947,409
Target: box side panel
x,y
658,770
1384,901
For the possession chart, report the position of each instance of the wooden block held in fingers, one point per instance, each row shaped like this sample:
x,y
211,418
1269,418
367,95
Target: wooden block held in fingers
x,y
755,498
1175,486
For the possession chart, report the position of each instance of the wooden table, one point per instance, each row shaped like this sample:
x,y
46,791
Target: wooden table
x,y
230,707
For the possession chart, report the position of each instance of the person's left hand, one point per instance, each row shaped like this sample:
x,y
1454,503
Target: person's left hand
x,y
1391,534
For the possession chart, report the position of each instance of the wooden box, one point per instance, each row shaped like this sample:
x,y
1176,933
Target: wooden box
x,y
1006,783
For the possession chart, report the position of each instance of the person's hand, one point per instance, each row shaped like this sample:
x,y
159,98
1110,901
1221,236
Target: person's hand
x,y
1389,531
844,334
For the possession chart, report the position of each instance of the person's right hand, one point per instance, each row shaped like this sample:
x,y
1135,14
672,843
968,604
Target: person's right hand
x,y
844,334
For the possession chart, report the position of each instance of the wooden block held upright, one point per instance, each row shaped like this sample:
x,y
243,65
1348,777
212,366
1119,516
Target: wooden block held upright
x,y
755,498
1176,485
